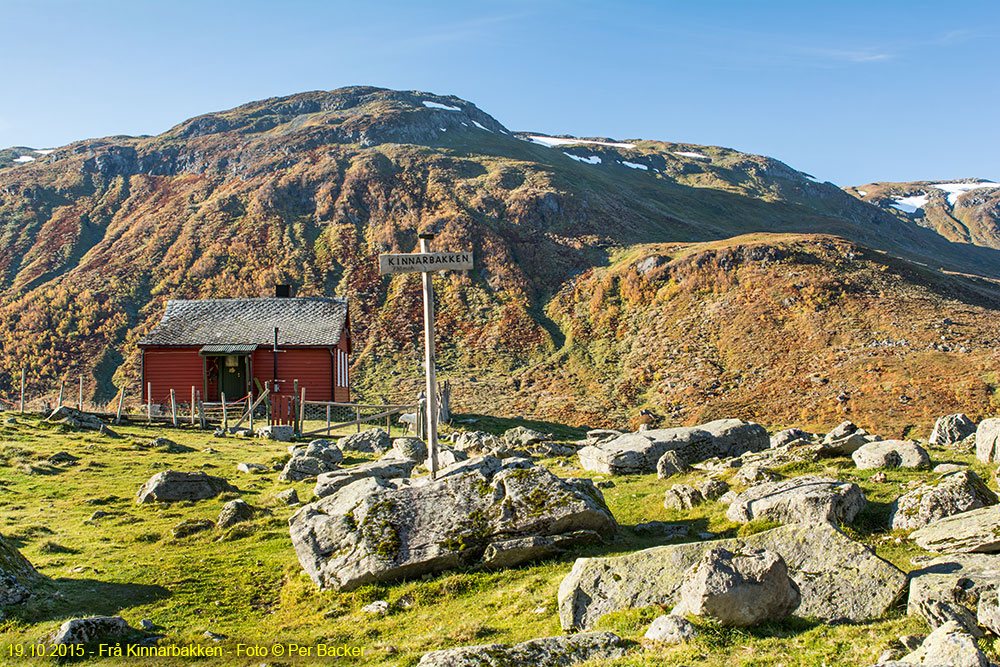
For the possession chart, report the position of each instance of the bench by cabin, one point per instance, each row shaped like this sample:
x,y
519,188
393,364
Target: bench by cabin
x,y
238,346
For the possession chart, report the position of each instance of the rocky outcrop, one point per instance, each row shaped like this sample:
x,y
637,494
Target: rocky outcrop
x,y
988,441
170,486
17,576
800,499
669,465
976,531
844,440
379,530
891,454
788,436
950,494
739,588
682,497
384,469
318,457
80,420
561,651
638,453
948,645
838,578
951,429
962,579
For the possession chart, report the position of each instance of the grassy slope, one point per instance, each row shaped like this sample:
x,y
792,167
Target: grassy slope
x,y
249,586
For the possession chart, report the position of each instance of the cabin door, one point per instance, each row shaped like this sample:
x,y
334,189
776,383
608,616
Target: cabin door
x,y
233,376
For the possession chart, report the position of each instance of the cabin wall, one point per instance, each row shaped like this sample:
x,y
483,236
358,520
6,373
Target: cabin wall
x,y
171,368
312,367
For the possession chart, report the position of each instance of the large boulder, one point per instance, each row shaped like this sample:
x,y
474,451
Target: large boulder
x,y
962,579
799,499
77,419
373,440
520,437
478,443
951,429
329,483
413,449
738,589
234,512
638,453
788,436
170,486
891,454
976,531
844,440
671,629
546,652
988,441
374,531
838,578
950,494
17,576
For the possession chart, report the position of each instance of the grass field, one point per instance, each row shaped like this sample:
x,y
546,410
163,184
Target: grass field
x,y
245,583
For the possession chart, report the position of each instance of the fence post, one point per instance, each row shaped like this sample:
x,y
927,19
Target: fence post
x,y
201,412
192,405
173,408
328,420
225,414
250,411
22,391
62,385
149,402
79,400
295,407
121,399
302,410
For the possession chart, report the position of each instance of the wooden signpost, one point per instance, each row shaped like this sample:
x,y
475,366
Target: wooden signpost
x,y
426,262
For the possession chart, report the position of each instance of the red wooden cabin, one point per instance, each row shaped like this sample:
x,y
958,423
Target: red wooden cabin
x,y
224,345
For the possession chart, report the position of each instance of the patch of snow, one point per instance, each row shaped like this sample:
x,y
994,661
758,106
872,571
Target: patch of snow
x,y
562,141
437,105
593,159
701,156
476,123
910,204
443,129
44,151
862,193
634,165
956,189
811,177
24,158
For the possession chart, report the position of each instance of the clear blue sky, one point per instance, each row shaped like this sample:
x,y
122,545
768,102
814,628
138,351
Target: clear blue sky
x,y
851,92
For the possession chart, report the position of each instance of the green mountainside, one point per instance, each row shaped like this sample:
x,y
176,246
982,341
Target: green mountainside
x,y
556,319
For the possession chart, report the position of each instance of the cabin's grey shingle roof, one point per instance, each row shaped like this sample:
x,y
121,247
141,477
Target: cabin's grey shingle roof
x,y
315,321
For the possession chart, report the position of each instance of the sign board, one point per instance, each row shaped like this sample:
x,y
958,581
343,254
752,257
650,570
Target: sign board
x,y
424,261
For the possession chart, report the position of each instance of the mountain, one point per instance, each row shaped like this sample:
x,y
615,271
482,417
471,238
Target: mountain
x,y
963,211
308,189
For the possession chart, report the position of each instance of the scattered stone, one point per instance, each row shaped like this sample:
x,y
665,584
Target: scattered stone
x,y
234,512
948,645
842,430
808,498
838,578
755,473
62,457
191,526
147,624
844,440
374,440
170,486
682,497
478,443
252,468
951,429
951,494
214,636
639,453
80,420
605,484
377,608
550,449
988,611
671,629
988,441
975,531
329,483
288,497
891,454
375,530
963,579
738,589
276,432
91,630
324,450
318,457
878,478
518,550
559,651
788,436
713,488
521,437
670,464
667,531
221,433
408,448
943,468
